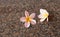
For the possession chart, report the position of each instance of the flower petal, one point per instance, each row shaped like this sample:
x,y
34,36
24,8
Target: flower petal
x,y
41,20
42,11
33,22
47,19
32,15
26,13
27,24
22,19
40,16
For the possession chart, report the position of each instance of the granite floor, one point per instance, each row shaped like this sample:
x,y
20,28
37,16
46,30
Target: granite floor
x,y
12,10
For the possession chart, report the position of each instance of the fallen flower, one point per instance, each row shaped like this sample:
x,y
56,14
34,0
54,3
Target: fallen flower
x,y
43,15
28,19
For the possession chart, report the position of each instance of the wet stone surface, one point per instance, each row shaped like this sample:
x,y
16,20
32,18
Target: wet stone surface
x,y
12,10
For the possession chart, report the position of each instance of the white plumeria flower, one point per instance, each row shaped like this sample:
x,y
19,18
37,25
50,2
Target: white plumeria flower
x,y
43,15
28,19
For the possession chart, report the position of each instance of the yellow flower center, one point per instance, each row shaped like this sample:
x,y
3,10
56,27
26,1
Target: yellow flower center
x,y
45,15
28,19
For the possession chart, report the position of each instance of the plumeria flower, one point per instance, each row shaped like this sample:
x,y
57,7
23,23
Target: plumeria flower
x,y
28,19
43,15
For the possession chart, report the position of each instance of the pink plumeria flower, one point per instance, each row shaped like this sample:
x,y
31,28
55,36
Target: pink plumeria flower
x,y
28,19
43,15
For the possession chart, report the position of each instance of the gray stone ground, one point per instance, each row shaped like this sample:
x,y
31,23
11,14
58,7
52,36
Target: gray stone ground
x,y
12,10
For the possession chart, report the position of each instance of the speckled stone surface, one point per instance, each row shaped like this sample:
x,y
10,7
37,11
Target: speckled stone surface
x,y
12,10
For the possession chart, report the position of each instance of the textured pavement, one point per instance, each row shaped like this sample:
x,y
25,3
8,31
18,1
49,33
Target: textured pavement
x,y
12,10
